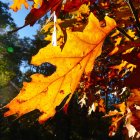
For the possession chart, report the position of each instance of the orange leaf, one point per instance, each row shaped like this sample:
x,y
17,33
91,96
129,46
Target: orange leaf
x,y
121,106
101,106
134,98
124,64
41,7
18,4
77,57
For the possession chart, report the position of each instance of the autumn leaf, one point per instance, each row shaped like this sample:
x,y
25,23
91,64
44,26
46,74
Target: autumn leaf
x,y
133,102
101,106
116,117
128,51
124,64
112,113
132,119
77,57
73,5
36,13
121,107
134,98
18,4
131,34
132,123
41,7
92,108
133,58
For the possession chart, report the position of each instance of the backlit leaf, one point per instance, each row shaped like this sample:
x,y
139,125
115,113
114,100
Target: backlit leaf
x,y
41,7
124,64
17,4
36,14
77,57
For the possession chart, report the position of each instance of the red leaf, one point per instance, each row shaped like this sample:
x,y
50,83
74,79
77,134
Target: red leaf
x,y
36,14
74,5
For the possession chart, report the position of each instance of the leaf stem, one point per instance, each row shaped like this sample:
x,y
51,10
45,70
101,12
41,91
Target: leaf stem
x,y
106,102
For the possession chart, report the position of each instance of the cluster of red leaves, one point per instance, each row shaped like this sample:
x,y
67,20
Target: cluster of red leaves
x,y
53,5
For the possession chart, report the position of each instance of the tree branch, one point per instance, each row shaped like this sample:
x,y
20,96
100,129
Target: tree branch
x,y
15,86
124,33
15,30
135,15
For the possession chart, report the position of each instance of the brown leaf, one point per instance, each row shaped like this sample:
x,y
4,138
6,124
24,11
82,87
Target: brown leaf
x,y
133,102
133,81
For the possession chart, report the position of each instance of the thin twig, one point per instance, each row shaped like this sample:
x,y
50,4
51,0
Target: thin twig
x,y
124,33
15,86
15,30
106,102
135,14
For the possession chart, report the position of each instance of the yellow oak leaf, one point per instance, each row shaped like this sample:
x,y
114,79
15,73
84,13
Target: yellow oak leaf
x,y
45,93
128,50
17,4
121,106
115,33
114,51
132,34
118,41
37,3
124,64
84,9
116,46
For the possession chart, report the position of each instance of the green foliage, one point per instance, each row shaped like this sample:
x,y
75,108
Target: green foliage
x,y
6,73
13,50
5,17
